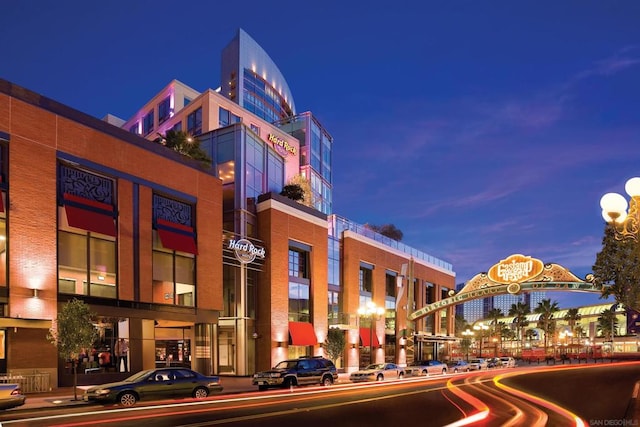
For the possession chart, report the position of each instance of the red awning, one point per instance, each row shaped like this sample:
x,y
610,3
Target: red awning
x,y
302,333
90,221
89,215
177,237
365,338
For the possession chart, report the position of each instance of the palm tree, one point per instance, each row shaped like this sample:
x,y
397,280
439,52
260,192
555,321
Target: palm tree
x,y
520,310
607,323
530,334
494,314
546,308
573,317
460,325
506,333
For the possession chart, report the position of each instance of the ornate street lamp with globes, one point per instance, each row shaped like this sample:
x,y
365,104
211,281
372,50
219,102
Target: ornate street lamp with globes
x,y
626,224
374,313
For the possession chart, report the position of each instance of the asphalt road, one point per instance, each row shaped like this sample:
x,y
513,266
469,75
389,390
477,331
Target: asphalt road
x,y
561,395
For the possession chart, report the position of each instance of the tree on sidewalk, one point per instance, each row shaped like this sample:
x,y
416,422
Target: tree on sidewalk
x,y
72,332
335,344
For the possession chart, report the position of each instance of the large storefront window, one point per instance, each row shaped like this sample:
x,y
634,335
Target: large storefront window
x,y
86,234
174,250
110,352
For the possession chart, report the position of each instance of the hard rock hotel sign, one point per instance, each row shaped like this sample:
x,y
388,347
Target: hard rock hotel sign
x,y
513,275
243,252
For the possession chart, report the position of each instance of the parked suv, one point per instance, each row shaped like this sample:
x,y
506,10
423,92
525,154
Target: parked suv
x,y
301,371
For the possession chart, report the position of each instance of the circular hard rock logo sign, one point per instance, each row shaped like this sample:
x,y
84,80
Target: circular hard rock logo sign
x,y
246,251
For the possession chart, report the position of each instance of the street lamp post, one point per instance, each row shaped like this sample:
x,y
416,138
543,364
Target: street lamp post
x,y
374,313
481,327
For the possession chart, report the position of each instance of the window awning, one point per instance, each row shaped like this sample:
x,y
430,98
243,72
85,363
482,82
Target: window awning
x,y
177,236
302,333
89,215
365,338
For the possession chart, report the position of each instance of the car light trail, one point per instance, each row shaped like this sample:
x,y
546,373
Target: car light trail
x,y
539,401
481,407
256,401
524,413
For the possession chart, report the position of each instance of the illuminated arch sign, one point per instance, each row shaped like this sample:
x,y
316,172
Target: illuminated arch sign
x,y
516,274
516,268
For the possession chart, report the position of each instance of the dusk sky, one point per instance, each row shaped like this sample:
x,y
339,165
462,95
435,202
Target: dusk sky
x,y
479,128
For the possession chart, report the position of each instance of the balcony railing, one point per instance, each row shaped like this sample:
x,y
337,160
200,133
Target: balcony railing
x,y
338,224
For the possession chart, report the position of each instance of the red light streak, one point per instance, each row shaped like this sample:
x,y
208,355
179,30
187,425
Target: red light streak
x,y
539,401
483,410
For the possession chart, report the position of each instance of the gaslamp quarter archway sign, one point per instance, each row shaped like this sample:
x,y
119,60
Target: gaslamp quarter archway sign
x,y
513,275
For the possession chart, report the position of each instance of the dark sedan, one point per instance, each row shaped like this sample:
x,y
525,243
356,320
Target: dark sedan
x,y
163,383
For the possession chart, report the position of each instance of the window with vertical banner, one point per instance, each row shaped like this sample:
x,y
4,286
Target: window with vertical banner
x,y
4,208
174,251
87,230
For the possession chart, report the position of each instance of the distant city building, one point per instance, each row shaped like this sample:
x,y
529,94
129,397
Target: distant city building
x,y
475,310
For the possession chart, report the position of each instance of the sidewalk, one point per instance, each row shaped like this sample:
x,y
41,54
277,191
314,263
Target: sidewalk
x,y
63,396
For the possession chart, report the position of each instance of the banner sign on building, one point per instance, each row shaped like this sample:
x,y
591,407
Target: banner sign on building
x,y
243,252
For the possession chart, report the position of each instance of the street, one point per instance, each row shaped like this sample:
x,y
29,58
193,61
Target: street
x,y
571,395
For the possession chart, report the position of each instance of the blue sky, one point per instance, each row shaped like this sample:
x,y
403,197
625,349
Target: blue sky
x,y
480,129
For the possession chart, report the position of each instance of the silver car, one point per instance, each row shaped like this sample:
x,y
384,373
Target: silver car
x,y
377,372
478,364
508,362
425,367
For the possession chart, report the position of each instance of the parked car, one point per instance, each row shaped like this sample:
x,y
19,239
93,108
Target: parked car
x,y
478,364
11,396
425,367
163,383
459,366
377,372
508,362
494,362
301,371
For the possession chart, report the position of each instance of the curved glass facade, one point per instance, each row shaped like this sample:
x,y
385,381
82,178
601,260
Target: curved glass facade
x,y
251,79
262,100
